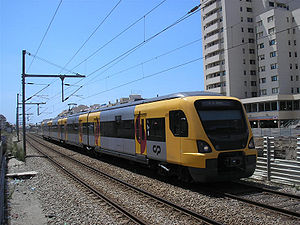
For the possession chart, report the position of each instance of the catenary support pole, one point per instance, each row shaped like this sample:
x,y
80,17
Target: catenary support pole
x,y
17,118
23,103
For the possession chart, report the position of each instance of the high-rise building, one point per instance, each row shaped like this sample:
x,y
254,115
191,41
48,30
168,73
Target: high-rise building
x,y
251,50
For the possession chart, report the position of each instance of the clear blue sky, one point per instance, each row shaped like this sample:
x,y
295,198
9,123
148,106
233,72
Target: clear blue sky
x,y
24,23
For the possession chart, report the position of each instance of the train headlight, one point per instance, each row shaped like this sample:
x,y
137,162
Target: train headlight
x,y
251,144
203,147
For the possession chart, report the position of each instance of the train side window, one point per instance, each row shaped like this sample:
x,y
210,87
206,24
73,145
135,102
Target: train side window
x,y
156,129
178,123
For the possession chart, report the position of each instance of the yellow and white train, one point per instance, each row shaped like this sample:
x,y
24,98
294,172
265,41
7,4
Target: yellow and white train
x,y
194,135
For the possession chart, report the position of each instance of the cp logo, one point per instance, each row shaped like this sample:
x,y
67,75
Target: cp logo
x,y
156,149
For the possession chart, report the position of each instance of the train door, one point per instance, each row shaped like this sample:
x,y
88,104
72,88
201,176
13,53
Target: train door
x,y
178,129
140,134
80,131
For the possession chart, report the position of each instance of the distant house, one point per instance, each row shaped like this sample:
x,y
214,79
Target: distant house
x,y
2,122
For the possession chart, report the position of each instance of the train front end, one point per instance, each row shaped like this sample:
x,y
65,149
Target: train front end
x,y
223,139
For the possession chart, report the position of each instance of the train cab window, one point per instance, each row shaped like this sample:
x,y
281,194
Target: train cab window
x,y
156,129
178,123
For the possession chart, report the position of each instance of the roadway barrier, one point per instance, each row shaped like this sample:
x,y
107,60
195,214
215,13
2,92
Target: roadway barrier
x,y
277,170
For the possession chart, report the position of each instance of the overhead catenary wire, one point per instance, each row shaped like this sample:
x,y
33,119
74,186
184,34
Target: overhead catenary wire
x,y
48,28
64,67
235,46
180,65
118,35
92,34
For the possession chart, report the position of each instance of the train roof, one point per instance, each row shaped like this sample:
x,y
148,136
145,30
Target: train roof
x,y
160,98
156,99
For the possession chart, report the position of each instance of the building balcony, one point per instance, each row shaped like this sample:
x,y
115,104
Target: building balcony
x,y
211,18
214,48
215,69
213,27
213,37
214,80
214,58
210,8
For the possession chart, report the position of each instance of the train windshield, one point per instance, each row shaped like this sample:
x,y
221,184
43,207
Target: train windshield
x,y
224,123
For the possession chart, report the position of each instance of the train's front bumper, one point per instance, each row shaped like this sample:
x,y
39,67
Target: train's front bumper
x,y
224,169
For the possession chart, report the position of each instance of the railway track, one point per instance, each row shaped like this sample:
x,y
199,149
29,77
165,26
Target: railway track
x,y
279,202
171,208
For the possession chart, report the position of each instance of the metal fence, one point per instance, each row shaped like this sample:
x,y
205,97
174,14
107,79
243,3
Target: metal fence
x,y
277,170
2,182
275,132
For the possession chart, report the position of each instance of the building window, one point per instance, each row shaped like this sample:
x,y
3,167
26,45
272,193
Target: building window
x,y
261,45
288,19
297,78
249,9
291,66
295,42
275,90
272,42
294,30
296,55
289,42
245,83
242,19
273,66
242,29
270,19
241,9
261,57
271,4
263,80
253,83
250,30
260,35
252,62
251,51
252,72
254,94
290,54
296,66
245,73
251,40
292,78
263,92
272,54
249,19
271,30
259,23
274,78
292,90
262,69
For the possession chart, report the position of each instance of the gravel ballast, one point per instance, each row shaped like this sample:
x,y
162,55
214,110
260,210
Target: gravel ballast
x,y
64,202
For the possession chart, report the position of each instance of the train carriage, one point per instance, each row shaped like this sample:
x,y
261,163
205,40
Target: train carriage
x,y
198,135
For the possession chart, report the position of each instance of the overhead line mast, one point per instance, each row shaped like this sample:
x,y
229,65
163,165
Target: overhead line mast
x,y
24,75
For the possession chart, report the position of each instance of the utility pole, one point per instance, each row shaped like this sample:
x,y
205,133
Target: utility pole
x,y
23,103
24,75
17,118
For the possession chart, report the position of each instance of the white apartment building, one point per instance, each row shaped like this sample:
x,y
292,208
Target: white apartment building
x,y
251,50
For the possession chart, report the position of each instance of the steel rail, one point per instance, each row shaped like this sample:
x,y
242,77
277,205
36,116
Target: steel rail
x,y
124,211
270,190
273,208
164,201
